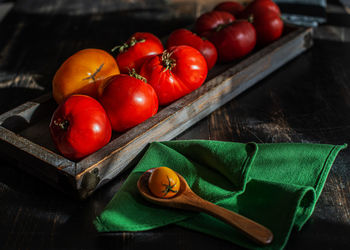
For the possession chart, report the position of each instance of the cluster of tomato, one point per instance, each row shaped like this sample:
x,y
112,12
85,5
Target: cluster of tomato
x,y
235,30
98,93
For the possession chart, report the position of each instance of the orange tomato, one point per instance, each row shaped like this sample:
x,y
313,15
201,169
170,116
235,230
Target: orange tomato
x,y
164,182
82,73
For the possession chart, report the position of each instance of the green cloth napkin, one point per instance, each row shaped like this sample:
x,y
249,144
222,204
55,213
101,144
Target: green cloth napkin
x,y
276,185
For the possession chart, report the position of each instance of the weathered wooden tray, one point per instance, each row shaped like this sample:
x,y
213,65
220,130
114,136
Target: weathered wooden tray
x,y
24,133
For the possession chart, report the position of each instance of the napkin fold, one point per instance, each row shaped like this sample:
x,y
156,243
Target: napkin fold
x,y
276,185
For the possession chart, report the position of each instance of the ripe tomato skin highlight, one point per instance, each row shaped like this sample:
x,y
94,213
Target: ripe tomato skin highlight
x,y
260,5
80,126
186,37
212,20
136,50
175,73
235,8
82,72
128,101
268,26
163,182
234,41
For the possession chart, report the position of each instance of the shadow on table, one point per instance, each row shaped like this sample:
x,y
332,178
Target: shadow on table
x,y
320,234
328,235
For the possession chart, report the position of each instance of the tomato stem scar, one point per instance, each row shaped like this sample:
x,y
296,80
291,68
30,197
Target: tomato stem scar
x,y
169,187
62,124
168,62
95,73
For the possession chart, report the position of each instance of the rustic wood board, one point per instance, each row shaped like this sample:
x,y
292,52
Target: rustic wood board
x,y
24,133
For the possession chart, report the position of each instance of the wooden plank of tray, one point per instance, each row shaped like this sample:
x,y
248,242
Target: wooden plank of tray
x,y
224,83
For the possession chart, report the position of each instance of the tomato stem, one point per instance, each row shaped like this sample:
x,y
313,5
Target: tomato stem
x,y
168,62
222,26
251,18
125,46
133,73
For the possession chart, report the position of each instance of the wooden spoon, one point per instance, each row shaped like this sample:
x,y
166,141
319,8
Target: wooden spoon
x,y
188,200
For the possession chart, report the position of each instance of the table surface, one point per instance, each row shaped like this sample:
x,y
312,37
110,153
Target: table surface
x,y
307,100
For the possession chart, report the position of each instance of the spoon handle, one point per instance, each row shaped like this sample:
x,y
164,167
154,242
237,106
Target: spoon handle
x,y
251,229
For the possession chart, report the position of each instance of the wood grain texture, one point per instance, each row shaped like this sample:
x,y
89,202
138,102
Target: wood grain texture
x,y
78,7
333,33
307,100
224,83
32,46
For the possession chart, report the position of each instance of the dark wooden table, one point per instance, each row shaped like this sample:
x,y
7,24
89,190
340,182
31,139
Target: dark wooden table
x,y
307,100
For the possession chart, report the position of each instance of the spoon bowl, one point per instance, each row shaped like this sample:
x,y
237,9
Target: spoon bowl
x,y
180,200
186,199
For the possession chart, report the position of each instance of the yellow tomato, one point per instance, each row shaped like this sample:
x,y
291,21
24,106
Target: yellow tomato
x,y
164,182
82,73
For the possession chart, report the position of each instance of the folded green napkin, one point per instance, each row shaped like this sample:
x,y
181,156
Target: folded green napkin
x,y
276,185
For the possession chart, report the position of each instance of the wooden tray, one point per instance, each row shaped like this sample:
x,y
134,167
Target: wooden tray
x,y
24,133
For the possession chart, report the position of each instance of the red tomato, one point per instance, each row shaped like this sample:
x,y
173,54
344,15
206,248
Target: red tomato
x,y
268,26
80,126
175,73
136,50
186,37
260,5
213,20
235,8
128,101
234,41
